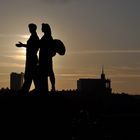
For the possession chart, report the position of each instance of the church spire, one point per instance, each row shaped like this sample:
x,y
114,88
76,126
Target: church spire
x,y
103,74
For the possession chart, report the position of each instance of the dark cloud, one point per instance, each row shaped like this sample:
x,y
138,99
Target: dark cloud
x,y
59,1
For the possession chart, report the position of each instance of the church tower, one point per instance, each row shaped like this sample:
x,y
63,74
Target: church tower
x,y
99,86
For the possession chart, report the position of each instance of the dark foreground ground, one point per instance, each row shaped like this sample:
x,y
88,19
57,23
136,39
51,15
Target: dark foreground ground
x,y
65,116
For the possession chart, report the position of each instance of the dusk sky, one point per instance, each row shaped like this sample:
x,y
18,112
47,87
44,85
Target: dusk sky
x,y
96,33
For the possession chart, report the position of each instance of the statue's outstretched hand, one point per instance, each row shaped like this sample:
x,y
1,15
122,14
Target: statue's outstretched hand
x,y
19,44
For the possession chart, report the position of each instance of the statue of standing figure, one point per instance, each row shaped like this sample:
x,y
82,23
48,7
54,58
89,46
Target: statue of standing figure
x,y
39,69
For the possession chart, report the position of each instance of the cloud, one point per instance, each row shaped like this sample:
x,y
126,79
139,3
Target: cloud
x,y
13,36
17,57
127,68
6,64
59,1
105,51
123,72
125,76
14,57
3,74
76,75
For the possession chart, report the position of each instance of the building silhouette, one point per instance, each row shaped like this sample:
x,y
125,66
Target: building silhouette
x,y
99,86
16,80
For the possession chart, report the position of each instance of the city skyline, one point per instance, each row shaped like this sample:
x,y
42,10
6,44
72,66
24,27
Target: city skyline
x,y
95,33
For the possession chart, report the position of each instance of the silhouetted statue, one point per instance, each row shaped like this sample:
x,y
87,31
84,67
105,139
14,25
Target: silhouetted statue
x,y
45,59
59,46
32,48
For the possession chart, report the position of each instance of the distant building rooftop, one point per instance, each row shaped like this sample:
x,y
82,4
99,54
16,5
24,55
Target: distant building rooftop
x,y
101,85
16,80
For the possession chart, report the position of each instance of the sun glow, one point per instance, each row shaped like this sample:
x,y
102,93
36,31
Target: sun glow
x,y
25,36
23,51
21,54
